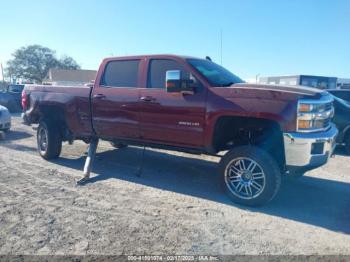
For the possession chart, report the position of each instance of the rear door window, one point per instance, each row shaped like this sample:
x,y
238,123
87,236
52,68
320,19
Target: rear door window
x,y
122,74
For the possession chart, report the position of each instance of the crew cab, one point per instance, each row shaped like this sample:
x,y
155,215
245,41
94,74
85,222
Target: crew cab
x,y
192,105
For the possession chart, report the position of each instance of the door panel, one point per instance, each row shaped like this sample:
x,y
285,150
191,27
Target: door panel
x,y
116,112
115,102
173,119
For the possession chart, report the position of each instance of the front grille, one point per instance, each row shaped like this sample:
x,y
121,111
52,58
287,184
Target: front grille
x,y
326,123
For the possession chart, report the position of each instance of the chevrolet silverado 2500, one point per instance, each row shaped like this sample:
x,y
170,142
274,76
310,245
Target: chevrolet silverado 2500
x,y
192,105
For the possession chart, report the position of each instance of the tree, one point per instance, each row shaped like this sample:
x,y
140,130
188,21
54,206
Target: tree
x,y
33,63
67,62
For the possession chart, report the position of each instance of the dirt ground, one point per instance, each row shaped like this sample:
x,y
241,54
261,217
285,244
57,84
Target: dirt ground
x,y
176,206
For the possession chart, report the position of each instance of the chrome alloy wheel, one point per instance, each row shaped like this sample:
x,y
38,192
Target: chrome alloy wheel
x,y
245,178
43,139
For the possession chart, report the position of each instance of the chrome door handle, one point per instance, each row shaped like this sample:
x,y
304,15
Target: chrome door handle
x,y
99,96
147,98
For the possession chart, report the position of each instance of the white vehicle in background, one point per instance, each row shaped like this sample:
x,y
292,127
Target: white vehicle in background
x,y
5,119
343,83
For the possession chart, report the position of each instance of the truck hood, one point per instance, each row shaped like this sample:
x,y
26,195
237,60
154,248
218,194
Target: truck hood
x,y
269,92
297,90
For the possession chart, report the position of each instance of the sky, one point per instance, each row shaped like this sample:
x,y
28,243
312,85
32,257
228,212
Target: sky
x,y
259,37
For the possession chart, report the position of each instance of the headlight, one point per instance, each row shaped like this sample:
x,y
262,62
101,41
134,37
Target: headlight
x,y
314,115
305,107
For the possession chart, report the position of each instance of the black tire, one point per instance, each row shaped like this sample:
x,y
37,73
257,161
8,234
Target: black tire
x,y
347,144
119,145
270,175
53,146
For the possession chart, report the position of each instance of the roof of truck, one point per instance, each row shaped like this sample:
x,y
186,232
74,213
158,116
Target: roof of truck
x,y
151,56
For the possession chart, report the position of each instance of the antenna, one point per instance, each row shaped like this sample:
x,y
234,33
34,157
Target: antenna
x,y
221,46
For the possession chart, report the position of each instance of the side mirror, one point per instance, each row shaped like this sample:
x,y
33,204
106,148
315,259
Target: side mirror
x,y
176,84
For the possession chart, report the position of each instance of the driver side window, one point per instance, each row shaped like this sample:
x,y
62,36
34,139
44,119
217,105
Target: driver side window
x,y
157,72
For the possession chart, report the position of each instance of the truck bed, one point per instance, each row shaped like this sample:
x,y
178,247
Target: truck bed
x,y
70,102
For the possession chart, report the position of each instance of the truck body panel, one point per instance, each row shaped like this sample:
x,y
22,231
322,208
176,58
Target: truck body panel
x,y
191,105
147,115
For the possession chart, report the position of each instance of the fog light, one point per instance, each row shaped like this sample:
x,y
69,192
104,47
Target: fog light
x,y
317,148
305,124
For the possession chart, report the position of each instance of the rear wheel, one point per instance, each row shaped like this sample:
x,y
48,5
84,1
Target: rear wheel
x,y
251,176
49,140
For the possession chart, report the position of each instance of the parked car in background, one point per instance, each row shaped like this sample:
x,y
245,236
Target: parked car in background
x,y
11,97
15,91
5,119
342,116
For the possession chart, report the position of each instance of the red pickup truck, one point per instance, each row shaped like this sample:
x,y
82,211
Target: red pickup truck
x,y
192,105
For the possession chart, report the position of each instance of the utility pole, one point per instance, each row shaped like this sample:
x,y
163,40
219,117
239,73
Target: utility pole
x,y
256,78
2,72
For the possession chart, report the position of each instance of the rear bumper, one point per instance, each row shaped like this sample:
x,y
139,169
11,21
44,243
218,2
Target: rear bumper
x,y
306,151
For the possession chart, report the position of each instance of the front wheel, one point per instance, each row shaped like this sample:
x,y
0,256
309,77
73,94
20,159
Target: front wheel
x,y
49,140
251,176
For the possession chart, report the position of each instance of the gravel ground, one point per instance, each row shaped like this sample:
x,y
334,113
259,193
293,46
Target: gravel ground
x,y
176,206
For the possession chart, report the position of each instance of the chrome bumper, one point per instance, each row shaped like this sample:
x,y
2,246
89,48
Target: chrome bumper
x,y
309,150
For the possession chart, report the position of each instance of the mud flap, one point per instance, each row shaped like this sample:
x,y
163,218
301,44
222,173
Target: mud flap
x,y
89,160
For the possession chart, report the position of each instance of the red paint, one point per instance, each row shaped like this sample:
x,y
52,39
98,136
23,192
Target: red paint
x,y
146,115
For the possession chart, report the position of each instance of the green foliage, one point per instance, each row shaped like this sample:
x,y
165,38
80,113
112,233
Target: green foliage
x,y
33,63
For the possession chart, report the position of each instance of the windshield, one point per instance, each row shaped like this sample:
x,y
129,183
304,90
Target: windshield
x,y
15,88
214,73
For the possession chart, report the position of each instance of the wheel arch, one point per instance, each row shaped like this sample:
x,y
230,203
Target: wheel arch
x,y
55,114
346,133
231,131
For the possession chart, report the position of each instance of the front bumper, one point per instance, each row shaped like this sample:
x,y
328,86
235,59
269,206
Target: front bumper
x,y
306,151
